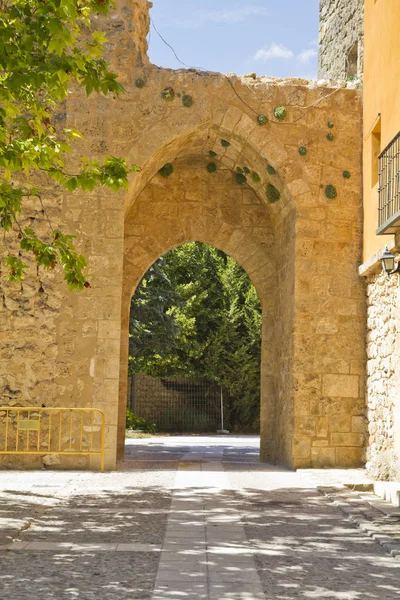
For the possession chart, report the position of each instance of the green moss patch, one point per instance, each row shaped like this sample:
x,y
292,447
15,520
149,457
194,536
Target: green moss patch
x,y
166,170
240,178
262,120
280,113
187,101
272,193
330,192
168,94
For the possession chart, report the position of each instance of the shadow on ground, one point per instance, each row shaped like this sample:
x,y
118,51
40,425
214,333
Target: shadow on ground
x,y
302,546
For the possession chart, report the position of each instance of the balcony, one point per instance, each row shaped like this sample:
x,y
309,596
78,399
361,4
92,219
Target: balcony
x,y
389,188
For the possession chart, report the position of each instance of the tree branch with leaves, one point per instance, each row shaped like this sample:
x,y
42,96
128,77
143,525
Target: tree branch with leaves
x,y
45,47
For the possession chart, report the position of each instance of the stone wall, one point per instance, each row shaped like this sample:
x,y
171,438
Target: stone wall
x,y
383,371
341,39
284,324
301,247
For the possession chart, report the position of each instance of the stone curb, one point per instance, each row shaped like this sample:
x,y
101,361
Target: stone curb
x,y
356,515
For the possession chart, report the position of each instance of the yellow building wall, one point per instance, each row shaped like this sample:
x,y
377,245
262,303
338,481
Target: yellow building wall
x,y
381,100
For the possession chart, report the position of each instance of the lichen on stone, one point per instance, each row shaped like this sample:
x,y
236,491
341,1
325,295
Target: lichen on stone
x,y
211,167
280,113
240,178
168,94
225,143
346,174
271,170
212,154
272,193
330,137
302,150
166,170
140,83
187,101
262,120
331,124
330,192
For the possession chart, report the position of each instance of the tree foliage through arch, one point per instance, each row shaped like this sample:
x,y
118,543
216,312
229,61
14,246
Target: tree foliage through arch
x,y
196,314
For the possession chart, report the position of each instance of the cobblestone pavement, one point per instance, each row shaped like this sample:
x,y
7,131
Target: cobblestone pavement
x,y
195,518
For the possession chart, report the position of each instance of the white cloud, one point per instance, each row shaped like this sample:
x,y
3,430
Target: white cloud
x,y
273,51
307,55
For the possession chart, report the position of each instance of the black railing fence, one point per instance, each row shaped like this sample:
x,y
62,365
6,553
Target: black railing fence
x,y
176,404
389,187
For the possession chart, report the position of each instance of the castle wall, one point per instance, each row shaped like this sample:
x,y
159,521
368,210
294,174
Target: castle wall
x,y
341,39
300,247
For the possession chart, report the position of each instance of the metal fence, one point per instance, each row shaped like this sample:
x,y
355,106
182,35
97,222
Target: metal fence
x,y
41,431
176,404
389,187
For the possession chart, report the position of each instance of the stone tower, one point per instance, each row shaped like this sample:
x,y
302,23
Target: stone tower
x,y
341,39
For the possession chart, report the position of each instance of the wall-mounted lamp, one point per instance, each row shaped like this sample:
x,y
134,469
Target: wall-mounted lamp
x,y
388,263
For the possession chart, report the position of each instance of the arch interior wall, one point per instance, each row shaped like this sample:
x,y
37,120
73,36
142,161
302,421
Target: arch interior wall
x,y
196,205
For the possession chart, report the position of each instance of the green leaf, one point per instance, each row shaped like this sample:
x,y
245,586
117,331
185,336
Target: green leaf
x,y
15,268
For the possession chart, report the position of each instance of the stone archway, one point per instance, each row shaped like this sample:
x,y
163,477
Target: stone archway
x,y
306,418
195,205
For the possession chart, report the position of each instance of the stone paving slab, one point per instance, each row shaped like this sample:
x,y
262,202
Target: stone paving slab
x,y
73,547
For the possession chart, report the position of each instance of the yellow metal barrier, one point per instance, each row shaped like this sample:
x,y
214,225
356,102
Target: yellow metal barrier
x,y
68,431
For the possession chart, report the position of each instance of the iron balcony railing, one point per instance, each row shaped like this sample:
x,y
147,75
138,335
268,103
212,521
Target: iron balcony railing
x,y
389,188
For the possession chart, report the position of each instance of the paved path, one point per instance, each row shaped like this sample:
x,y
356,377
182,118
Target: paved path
x,y
186,518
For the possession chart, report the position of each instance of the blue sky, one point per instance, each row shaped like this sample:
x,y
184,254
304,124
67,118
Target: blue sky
x,y
269,37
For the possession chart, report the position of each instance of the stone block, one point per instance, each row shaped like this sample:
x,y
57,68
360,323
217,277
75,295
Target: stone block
x,y
340,423
302,448
306,426
109,329
343,386
347,439
323,457
350,457
319,443
112,368
322,426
